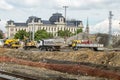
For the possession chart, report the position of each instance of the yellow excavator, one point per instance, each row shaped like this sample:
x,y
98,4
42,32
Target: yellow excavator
x,y
29,44
11,43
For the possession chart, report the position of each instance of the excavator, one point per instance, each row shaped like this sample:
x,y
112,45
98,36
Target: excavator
x,y
11,43
29,44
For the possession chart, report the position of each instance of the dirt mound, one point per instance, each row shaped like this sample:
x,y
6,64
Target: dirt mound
x,y
72,69
84,55
100,60
3,50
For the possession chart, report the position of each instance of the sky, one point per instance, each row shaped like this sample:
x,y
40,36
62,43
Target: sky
x,y
97,12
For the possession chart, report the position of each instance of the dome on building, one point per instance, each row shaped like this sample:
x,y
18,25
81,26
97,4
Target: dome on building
x,y
30,19
55,18
10,21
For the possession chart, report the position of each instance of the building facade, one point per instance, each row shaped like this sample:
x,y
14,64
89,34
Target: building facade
x,y
55,23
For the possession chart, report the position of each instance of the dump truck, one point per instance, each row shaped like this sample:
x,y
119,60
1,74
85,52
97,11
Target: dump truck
x,y
50,44
77,44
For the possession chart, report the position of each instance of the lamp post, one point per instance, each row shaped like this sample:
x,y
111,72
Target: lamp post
x,y
65,11
77,29
65,7
33,29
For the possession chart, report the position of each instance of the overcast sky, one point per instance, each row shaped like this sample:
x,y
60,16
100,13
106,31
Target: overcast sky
x,y
96,10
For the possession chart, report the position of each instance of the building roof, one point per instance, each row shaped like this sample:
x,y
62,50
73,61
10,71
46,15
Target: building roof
x,y
54,18
20,24
46,22
73,23
33,18
10,21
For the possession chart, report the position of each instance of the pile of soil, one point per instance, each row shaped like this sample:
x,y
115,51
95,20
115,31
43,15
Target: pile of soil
x,y
85,55
103,60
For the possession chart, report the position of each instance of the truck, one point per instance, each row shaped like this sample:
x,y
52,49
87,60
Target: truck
x,y
50,44
77,44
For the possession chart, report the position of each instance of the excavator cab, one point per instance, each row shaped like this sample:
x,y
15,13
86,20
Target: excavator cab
x,y
74,43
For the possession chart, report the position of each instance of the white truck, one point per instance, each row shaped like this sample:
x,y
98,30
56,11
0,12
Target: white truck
x,y
76,44
94,47
50,44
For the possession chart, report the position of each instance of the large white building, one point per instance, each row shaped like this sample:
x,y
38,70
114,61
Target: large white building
x,y
55,23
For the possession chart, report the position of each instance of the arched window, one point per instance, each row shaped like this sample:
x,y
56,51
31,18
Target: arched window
x,y
52,28
43,28
61,28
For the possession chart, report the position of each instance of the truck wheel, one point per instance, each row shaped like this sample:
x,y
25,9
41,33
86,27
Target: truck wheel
x,y
40,48
95,49
75,48
28,48
43,49
24,48
51,49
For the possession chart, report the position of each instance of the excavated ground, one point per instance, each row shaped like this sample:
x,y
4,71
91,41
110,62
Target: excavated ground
x,y
101,60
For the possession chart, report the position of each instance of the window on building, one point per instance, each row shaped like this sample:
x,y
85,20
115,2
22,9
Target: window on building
x,y
11,29
64,29
38,28
11,34
74,30
55,29
52,28
49,28
61,28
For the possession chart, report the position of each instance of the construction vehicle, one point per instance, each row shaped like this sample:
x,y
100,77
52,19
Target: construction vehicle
x,y
11,43
29,44
50,44
76,44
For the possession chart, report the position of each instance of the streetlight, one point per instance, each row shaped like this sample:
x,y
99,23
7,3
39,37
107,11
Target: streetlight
x,y
65,11
77,29
65,7
33,29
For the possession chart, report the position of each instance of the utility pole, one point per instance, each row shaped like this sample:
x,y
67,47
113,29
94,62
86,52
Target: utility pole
x,y
33,29
65,7
110,28
76,29
65,11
